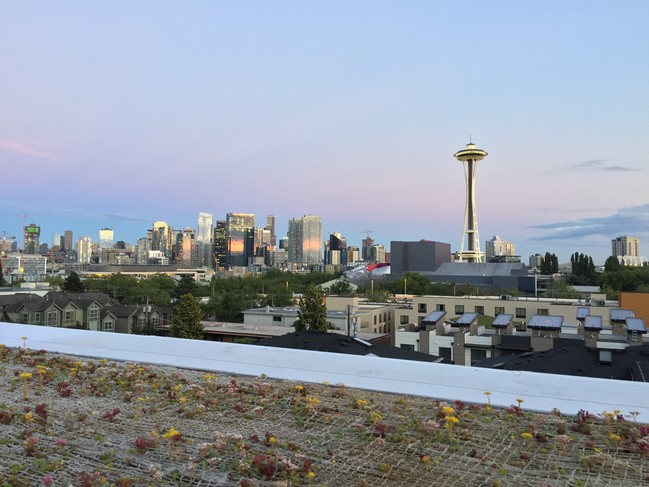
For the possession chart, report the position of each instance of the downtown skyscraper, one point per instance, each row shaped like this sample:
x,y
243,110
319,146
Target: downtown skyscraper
x,y
240,228
305,240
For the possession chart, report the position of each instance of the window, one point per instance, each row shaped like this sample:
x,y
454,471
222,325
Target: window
x,y
441,307
109,325
154,319
68,315
459,309
24,317
93,313
404,319
479,310
478,354
499,310
277,318
375,319
542,311
447,354
141,320
37,317
421,307
520,313
406,346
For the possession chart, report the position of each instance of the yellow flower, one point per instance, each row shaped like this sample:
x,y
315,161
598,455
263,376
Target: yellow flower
x,y
527,435
172,433
310,475
324,383
25,376
375,416
209,377
487,393
451,420
272,440
614,437
448,410
29,417
299,388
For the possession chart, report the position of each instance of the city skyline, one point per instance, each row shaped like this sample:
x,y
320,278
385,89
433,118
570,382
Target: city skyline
x,y
116,116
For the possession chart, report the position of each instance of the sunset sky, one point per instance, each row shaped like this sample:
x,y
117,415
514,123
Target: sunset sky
x,y
116,114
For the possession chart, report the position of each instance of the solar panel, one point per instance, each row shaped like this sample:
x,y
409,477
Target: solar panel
x,y
546,322
466,319
593,323
621,314
636,324
583,312
434,317
502,320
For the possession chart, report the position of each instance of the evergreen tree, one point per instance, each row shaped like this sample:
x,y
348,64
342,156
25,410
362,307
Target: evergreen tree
x,y
73,283
312,314
186,322
612,264
186,285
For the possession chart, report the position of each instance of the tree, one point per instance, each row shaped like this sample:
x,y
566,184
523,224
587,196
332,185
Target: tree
x,y
612,264
2,277
186,322
312,314
549,264
186,285
73,283
341,287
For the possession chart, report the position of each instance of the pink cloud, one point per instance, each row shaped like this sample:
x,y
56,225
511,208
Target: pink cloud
x,y
28,149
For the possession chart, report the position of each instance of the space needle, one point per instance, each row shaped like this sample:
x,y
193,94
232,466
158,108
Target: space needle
x,y
469,157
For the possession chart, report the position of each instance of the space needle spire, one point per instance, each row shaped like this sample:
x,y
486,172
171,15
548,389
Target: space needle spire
x,y
469,157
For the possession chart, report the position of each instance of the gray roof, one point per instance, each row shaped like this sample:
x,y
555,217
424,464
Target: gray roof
x,y
484,269
548,322
502,320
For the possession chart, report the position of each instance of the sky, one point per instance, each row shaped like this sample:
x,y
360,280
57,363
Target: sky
x,y
117,114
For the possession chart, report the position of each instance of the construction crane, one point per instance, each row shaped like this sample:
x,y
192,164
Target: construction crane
x,y
367,233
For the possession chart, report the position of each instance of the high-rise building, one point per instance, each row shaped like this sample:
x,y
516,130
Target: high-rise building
x,y
270,226
143,249
240,239
497,247
366,248
353,254
469,157
627,250
106,238
187,248
162,239
625,245
68,244
205,233
32,234
305,240
84,250
220,245
378,253
535,261
205,238
336,250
